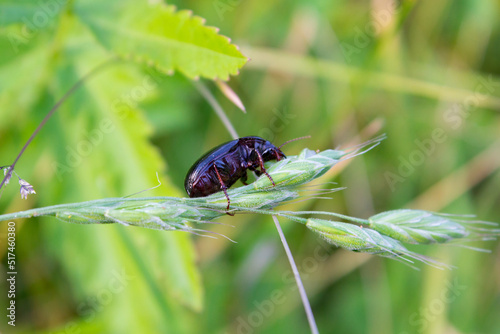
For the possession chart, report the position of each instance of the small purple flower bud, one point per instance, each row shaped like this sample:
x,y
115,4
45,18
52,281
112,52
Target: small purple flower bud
x,y
26,189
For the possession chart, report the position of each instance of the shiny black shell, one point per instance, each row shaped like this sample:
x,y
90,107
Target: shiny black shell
x,y
232,160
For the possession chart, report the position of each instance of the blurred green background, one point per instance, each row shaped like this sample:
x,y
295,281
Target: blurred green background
x,y
426,73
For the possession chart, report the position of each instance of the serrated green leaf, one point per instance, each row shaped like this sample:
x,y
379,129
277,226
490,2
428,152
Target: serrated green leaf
x,y
157,34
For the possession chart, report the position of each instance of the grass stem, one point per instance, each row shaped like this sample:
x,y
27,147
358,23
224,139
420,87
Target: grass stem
x,y
217,107
302,291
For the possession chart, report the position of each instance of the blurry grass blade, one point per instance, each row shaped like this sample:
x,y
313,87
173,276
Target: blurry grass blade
x,y
287,62
20,92
17,11
219,111
230,94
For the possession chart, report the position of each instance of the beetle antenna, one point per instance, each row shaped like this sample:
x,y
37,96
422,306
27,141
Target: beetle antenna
x,y
295,139
140,192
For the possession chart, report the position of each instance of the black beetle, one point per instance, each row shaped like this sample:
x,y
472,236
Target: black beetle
x,y
222,166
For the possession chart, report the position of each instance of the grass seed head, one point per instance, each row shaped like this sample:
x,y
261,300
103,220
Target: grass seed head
x,y
418,226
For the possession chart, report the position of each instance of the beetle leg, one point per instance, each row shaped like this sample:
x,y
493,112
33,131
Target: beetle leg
x,y
277,156
224,189
263,170
244,178
255,170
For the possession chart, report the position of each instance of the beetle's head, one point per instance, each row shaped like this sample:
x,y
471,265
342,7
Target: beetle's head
x,y
271,152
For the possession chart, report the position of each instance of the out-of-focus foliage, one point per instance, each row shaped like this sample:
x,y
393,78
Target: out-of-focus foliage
x,y
98,145
426,73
